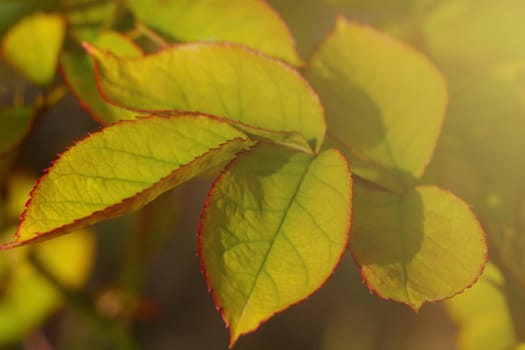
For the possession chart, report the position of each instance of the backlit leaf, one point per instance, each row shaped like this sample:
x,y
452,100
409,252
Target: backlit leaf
x,y
250,22
122,168
482,314
78,71
384,102
220,79
273,230
32,46
421,246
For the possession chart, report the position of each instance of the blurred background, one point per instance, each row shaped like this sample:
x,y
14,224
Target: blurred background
x,y
155,289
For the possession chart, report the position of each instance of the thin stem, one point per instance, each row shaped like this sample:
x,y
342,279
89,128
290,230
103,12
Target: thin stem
x,y
152,36
83,305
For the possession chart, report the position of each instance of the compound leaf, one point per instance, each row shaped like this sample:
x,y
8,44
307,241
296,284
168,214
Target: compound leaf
x,y
32,46
225,80
273,230
122,168
250,22
421,246
385,103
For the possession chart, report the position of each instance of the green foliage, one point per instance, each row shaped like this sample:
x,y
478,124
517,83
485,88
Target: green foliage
x,y
357,72
188,89
43,33
409,248
267,210
163,153
483,314
211,20
220,79
77,68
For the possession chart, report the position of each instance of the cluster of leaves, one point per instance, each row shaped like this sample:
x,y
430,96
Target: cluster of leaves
x,y
234,97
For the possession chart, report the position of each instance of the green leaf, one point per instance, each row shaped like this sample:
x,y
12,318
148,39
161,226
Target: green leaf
x,y
77,68
33,44
86,18
421,246
225,80
250,22
11,11
15,123
482,314
273,230
475,33
384,102
122,168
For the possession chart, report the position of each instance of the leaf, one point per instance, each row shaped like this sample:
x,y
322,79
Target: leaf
x,y
482,314
267,238
121,168
385,103
250,22
11,11
87,18
28,298
475,33
422,246
77,69
480,155
218,79
32,46
15,123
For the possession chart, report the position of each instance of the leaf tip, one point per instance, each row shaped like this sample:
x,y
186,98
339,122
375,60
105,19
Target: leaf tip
x,y
92,50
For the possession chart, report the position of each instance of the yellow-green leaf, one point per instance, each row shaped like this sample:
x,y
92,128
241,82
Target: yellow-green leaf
x,y
122,168
421,246
250,22
384,101
11,11
77,68
32,46
273,230
482,314
220,79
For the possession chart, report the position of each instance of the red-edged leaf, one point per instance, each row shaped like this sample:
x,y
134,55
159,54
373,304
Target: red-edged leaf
x,y
122,168
224,80
78,72
273,229
424,245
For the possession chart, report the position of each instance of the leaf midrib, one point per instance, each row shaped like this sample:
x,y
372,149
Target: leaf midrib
x,y
272,241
